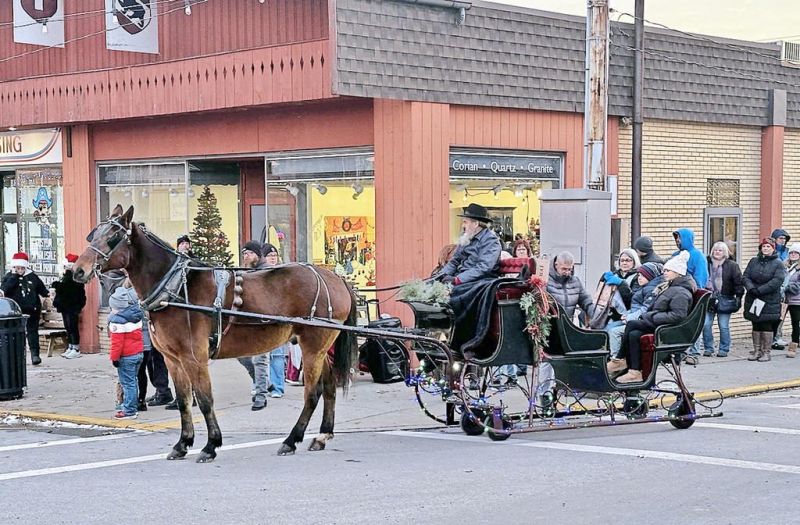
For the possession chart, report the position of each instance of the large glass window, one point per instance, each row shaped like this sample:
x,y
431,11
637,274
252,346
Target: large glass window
x,y
321,208
723,224
508,184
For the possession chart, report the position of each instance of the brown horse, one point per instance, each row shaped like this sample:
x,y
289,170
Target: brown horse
x,y
292,290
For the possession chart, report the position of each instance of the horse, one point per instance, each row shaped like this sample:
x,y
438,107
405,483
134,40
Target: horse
x,y
183,336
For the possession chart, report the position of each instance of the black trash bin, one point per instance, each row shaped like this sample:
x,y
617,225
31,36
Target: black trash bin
x,y
13,377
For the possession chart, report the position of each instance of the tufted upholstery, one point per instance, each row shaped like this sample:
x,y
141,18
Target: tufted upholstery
x,y
513,266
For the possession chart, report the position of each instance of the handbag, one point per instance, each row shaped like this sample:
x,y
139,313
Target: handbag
x,y
727,304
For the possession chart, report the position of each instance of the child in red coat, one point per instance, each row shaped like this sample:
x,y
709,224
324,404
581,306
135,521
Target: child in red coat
x,y
127,345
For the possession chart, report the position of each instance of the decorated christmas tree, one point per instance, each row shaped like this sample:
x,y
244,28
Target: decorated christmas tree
x,y
209,242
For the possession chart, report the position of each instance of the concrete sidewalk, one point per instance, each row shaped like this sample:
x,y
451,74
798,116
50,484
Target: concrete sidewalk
x,y
82,391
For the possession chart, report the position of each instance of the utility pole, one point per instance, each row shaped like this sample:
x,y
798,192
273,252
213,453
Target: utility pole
x,y
638,84
596,94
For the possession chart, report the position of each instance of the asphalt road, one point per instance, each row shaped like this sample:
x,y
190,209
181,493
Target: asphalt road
x,y
735,469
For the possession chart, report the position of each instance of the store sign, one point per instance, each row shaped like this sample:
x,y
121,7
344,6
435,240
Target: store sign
x,y
487,166
39,22
30,147
132,25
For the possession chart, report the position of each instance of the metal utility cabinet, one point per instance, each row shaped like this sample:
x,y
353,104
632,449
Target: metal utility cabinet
x,y
578,221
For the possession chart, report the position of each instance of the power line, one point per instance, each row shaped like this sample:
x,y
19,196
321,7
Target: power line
x,y
700,37
82,37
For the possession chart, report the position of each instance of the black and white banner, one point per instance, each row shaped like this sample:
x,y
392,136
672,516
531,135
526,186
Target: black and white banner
x,y
39,22
132,25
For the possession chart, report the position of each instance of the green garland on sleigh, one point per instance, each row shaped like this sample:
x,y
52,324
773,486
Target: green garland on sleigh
x,y
537,315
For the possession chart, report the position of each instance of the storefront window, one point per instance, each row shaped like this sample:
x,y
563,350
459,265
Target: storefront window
x,y
321,208
222,180
723,224
508,184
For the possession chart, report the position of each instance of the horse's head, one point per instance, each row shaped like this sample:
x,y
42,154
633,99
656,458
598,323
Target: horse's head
x,y
108,246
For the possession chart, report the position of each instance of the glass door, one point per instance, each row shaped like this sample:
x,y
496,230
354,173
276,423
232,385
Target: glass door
x,y
9,231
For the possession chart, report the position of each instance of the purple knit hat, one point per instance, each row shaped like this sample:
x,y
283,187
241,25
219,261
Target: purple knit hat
x,y
651,270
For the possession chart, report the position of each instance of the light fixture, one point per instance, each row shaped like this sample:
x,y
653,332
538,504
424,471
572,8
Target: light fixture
x,y
519,190
497,189
321,188
358,189
190,193
128,193
465,197
44,27
539,192
173,192
294,190
188,9
145,194
261,1
12,128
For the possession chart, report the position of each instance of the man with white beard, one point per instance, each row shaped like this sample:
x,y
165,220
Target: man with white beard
x,y
478,252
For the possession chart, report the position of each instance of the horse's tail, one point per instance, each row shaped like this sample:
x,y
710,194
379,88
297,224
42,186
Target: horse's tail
x,y
345,351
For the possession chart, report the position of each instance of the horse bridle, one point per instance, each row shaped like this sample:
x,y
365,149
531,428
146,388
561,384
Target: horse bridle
x,y
120,231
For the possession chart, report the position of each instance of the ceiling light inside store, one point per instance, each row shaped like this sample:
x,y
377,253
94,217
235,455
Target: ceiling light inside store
x,y
539,193
128,192
294,190
145,194
465,197
173,192
321,188
497,189
358,189
519,191
190,193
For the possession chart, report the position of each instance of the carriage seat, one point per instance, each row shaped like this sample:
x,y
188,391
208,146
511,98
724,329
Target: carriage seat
x,y
676,337
517,267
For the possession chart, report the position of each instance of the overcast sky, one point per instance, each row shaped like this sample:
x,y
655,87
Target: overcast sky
x,y
755,20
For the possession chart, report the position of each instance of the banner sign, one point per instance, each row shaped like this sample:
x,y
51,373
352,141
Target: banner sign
x,y
39,22
505,166
30,147
132,25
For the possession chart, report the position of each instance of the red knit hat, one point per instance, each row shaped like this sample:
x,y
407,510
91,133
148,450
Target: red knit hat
x,y
20,259
767,240
72,258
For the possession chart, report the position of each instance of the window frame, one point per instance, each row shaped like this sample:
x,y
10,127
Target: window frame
x,y
722,212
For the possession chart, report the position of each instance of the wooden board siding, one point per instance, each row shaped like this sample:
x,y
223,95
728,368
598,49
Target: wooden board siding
x,y
411,191
544,131
291,73
79,201
216,26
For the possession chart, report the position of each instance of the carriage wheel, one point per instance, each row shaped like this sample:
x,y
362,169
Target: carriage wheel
x,y
494,435
470,422
680,408
635,407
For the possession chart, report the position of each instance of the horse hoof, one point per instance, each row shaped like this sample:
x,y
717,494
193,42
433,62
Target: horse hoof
x,y
286,450
205,457
175,454
316,445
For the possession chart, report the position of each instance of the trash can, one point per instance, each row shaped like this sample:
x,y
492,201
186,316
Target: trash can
x,y
13,377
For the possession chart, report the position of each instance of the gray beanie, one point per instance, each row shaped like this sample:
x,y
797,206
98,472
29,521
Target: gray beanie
x,y
643,244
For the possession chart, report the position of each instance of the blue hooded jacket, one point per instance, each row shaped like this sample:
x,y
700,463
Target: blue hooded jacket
x,y
697,266
781,249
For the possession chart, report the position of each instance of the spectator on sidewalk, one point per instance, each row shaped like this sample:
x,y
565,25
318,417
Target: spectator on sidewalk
x,y
70,298
791,288
781,243
644,247
727,288
127,345
277,357
763,279
25,288
697,269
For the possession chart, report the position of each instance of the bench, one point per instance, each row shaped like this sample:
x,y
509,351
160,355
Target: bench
x,y
56,339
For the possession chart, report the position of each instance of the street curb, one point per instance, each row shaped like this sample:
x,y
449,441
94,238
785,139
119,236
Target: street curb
x,y
89,420
749,389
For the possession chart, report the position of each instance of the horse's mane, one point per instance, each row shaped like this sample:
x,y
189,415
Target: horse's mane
x,y
158,241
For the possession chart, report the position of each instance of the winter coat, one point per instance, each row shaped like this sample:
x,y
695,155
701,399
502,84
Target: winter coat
x,y
125,328
643,297
569,293
781,249
25,291
121,299
673,304
477,260
698,265
763,279
791,285
644,246
732,283
70,294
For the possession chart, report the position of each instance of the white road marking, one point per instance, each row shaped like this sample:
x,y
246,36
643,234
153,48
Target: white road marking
x,y
124,461
796,406
71,441
748,428
612,451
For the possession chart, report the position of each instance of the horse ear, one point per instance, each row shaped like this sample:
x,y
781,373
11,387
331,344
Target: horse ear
x,y
117,211
128,217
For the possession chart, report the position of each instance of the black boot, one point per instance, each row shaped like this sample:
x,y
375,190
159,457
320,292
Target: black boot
x,y
35,359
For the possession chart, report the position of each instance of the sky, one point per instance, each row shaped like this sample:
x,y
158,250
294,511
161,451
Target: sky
x,y
753,20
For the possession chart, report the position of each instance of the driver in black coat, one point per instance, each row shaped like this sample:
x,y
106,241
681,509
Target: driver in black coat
x,y
478,252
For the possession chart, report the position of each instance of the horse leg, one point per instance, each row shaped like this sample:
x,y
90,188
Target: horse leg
x,y
313,363
205,400
328,409
183,393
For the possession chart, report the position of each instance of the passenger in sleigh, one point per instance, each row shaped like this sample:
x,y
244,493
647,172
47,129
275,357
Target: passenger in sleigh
x,y
649,276
611,310
671,306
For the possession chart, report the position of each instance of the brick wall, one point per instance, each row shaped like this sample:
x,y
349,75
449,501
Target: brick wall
x,y
677,159
791,182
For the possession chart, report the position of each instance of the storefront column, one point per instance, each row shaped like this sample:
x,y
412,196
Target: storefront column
x,y
772,165
412,144
80,217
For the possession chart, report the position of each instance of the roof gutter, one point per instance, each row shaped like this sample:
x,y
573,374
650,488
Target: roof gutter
x,y
460,7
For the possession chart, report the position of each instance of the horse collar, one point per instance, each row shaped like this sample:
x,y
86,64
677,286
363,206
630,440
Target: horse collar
x,y
169,287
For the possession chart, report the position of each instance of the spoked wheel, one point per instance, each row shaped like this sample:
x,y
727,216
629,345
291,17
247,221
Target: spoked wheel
x,y
493,434
635,407
681,408
432,390
471,421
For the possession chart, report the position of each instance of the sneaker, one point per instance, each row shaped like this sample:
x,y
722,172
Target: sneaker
x,y
260,402
276,395
778,346
157,400
708,353
720,354
123,415
294,383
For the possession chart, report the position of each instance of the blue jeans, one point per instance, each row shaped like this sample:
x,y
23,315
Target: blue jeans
x,y
724,322
615,330
277,368
128,372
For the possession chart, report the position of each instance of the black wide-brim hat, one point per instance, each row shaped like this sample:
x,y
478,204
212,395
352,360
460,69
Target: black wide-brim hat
x,y
476,212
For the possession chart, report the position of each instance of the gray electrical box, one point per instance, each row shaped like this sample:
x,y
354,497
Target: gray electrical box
x,y
578,221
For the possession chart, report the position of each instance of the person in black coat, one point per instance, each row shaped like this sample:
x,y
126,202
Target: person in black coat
x,y
24,287
644,247
763,279
69,301
671,306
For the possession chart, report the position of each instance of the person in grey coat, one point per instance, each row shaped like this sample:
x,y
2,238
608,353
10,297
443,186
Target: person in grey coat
x,y
478,252
566,289
791,290
763,280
